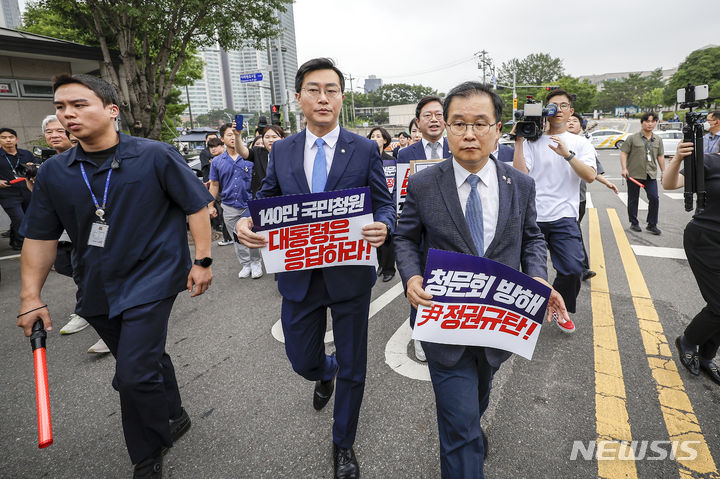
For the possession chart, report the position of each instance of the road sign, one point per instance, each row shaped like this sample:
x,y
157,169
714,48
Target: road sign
x,y
251,77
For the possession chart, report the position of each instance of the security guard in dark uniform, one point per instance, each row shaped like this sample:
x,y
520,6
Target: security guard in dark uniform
x,y
14,198
124,203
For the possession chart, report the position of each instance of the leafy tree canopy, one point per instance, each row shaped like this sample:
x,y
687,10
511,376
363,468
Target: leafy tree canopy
x,y
146,45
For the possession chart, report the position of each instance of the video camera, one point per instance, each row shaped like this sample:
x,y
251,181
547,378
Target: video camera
x,y
27,171
691,97
531,122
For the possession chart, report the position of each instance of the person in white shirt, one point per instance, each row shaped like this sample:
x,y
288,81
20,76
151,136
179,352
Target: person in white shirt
x,y
559,161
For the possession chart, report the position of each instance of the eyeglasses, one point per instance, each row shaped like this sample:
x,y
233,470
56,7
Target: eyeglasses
x,y
428,115
458,128
330,93
563,106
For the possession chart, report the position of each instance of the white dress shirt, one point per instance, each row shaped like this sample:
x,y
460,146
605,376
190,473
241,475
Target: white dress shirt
x,y
428,149
311,150
489,196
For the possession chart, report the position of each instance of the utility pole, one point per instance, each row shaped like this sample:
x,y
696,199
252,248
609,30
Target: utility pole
x,y
485,63
352,97
270,72
283,87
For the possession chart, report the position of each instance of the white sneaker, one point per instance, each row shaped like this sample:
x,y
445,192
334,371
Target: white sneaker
x,y
257,271
99,348
224,243
75,325
419,353
244,272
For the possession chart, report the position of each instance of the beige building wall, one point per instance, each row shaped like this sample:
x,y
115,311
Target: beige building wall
x,y
25,115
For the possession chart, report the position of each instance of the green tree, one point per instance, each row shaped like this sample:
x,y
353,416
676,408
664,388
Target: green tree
x,y
584,91
145,44
699,68
534,69
652,98
398,94
628,91
216,118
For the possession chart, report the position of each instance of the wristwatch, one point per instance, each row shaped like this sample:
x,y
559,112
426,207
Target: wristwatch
x,y
204,262
570,156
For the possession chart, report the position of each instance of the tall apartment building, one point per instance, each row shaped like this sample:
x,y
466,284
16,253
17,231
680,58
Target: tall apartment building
x,y
220,87
10,14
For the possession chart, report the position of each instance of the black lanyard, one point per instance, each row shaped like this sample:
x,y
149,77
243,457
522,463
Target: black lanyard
x,y
17,163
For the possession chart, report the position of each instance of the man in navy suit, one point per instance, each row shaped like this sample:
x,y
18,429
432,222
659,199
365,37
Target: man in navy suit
x,y
429,114
325,157
502,229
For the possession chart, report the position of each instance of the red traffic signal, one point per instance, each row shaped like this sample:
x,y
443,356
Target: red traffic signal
x,y
276,108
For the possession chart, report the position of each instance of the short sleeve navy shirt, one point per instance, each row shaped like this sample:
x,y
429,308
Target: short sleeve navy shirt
x,y
146,256
234,177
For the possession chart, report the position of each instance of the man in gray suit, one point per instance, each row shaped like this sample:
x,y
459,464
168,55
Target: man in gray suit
x,y
472,204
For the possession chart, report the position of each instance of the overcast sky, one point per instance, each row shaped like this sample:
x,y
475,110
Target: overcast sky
x,y
432,42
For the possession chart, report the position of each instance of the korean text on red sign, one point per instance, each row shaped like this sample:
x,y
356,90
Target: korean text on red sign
x,y
479,302
315,230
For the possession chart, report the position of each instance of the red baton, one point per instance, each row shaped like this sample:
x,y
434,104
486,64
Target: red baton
x,y
16,180
635,181
42,393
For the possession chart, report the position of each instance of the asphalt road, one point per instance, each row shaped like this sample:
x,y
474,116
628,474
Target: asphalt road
x,y
252,415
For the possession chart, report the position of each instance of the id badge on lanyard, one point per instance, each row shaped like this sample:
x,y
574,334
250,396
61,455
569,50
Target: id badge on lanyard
x,y
99,229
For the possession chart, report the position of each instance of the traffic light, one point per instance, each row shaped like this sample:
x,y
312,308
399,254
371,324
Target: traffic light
x,y
548,88
275,115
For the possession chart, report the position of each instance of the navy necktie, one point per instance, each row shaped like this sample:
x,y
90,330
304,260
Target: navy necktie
x,y
319,173
474,215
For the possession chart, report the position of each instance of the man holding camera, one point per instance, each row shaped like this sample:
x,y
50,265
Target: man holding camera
x,y
14,198
640,156
559,161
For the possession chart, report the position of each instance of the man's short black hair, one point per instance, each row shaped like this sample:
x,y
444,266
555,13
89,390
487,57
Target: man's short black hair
x,y
214,142
424,101
386,136
314,65
405,134
209,134
560,92
646,116
413,122
472,88
9,130
224,128
100,87
715,114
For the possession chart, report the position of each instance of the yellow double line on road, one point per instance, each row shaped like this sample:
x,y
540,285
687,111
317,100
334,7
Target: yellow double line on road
x,y
611,411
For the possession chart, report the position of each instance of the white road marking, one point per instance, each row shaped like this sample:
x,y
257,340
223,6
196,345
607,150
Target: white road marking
x,y
397,358
675,196
642,205
613,154
588,201
659,252
386,298
14,256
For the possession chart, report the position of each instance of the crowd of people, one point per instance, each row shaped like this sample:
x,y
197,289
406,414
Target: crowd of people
x,y
512,205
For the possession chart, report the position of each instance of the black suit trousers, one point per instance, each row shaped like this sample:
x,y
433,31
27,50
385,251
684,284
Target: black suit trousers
x,y
701,248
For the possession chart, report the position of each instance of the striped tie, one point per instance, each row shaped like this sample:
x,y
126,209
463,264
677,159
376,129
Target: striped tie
x,y
474,215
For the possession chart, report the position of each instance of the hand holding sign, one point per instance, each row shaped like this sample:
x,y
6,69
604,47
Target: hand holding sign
x,y
375,233
244,232
416,294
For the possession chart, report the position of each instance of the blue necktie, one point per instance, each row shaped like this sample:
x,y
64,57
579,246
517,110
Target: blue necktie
x,y
474,214
319,173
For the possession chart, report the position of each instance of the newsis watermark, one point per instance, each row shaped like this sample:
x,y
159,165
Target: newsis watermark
x,y
634,450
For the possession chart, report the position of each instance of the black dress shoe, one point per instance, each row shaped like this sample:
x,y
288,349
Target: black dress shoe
x,y
179,425
323,393
149,468
387,277
711,369
653,229
688,356
587,274
346,466
5,234
636,228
